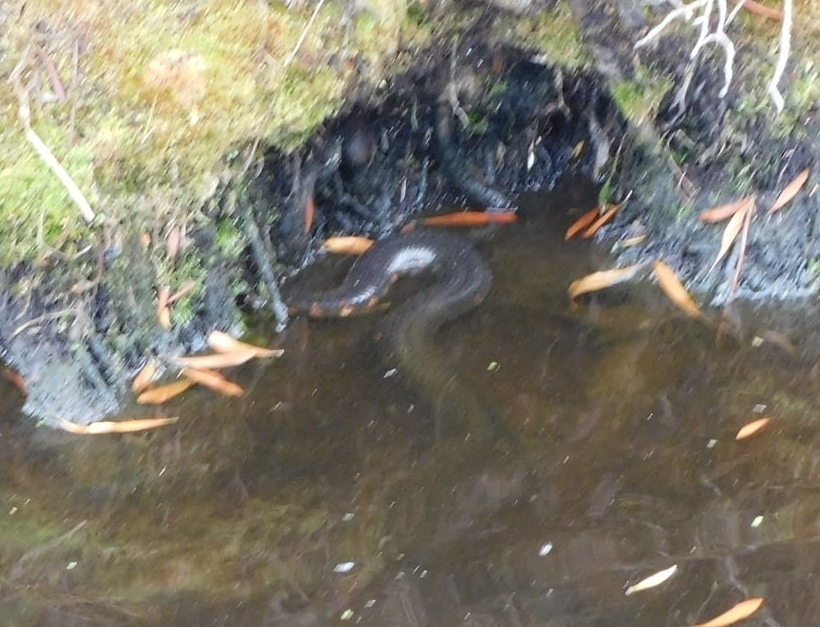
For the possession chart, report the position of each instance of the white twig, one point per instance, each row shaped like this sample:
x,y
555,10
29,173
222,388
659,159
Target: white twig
x,y
782,55
40,147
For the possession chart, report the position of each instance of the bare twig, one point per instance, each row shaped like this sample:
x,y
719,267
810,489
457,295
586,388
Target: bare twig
x,y
782,55
304,33
40,147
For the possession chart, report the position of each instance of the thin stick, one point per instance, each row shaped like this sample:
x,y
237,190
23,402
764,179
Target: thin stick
x,y
303,34
782,55
42,150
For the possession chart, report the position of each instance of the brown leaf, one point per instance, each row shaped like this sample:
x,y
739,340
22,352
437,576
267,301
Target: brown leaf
x,y
779,339
164,318
469,218
722,212
172,242
606,216
763,11
310,212
581,223
220,360
214,381
185,289
224,343
347,245
162,393
790,191
124,426
144,377
752,428
675,291
731,231
16,379
744,238
599,280
742,610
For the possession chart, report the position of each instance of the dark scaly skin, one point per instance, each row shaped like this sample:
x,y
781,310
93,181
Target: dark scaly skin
x,y
461,280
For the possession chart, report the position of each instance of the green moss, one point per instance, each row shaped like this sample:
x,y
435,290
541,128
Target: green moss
x,y
554,33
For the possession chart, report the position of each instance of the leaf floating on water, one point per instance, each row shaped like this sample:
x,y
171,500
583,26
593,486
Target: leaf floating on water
x,y
740,611
469,218
599,280
219,360
790,191
163,393
581,223
347,245
144,377
224,343
214,381
606,216
722,212
732,229
779,339
675,291
652,581
752,428
124,426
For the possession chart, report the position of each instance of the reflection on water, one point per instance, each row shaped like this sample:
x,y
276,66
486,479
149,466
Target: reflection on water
x,y
329,494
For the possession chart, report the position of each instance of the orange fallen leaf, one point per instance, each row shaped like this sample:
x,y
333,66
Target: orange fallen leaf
x,y
214,381
675,291
469,218
732,229
162,393
224,343
581,223
763,11
752,428
16,379
790,191
347,245
740,611
124,426
599,280
219,360
163,315
722,212
173,241
744,239
144,377
606,216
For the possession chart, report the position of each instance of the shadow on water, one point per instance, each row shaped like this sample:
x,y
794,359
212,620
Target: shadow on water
x,y
329,493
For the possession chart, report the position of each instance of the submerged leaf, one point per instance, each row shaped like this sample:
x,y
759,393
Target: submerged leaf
x,y
347,245
675,291
742,610
652,581
599,280
224,343
124,426
581,223
214,381
790,191
144,377
606,216
469,218
16,379
752,428
163,393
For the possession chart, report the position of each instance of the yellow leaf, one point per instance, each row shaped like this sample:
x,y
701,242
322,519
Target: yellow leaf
x,y
124,426
220,360
160,394
652,581
731,230
752,428
224,343
790,191
347,245
675,291
144,377
599,280
740,611
214,381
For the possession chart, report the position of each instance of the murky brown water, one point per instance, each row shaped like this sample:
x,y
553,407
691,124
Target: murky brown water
x,y
334,492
